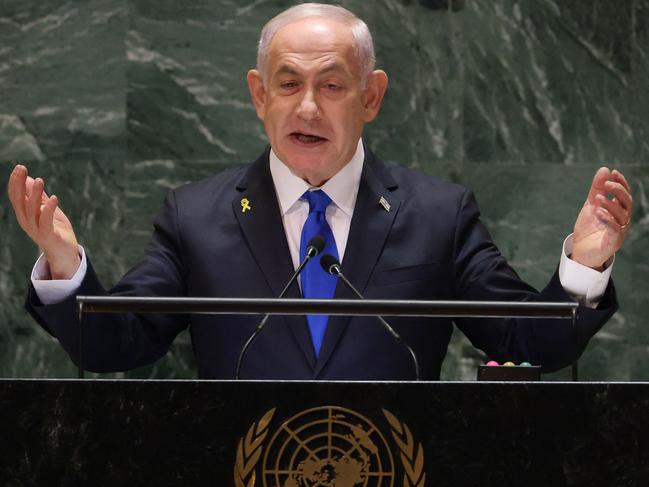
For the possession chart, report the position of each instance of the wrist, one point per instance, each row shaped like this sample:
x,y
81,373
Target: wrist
x,y
594,262
63,267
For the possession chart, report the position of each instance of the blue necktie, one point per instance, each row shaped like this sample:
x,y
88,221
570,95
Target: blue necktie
x,y
316,283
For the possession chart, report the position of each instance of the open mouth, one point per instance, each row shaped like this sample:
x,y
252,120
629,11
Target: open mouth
x,y
306,139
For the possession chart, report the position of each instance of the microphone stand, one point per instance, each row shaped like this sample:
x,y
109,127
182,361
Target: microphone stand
x,y
332,266
316,244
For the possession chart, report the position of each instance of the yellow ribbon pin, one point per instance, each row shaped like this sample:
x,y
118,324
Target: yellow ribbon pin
x,y
245,205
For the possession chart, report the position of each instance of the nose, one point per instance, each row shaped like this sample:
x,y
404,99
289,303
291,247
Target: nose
x,y
308,109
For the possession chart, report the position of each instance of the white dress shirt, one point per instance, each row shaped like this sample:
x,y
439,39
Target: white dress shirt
x,y
342,188
582,283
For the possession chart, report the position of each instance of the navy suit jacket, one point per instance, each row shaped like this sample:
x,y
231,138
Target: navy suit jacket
x,y
430,245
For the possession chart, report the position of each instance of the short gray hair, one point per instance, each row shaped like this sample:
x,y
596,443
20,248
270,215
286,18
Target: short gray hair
x,y
364,46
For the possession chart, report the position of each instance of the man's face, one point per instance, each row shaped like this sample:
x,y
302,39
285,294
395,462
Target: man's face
x,y
311,100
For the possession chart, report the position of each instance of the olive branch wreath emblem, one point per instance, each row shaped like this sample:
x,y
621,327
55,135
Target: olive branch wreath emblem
x,y
413,463
249,451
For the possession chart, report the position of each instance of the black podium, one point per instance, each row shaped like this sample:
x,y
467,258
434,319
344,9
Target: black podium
x,y
212,433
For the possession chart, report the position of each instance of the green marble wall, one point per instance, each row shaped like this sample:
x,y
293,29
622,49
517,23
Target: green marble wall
x,y
115,101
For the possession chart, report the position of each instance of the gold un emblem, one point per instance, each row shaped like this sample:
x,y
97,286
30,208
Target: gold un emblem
x,y
328,446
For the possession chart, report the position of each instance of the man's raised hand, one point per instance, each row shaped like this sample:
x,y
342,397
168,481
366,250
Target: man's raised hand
x,y
41,218
603,222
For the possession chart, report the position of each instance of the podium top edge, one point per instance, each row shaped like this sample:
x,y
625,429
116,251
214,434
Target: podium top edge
x,y
321,382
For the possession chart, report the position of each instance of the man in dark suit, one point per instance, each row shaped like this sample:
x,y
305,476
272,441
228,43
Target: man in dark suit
x,y
398,234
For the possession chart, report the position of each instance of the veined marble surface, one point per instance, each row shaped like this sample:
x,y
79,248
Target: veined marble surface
x,y
113,102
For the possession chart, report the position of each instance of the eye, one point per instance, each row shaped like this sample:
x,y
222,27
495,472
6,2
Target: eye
x,y
288,85
333,87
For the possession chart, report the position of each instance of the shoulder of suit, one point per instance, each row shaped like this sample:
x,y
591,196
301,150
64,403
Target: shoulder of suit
x,y
411,181
218,184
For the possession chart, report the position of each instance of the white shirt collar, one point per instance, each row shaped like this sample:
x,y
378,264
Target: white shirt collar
x,y
342,188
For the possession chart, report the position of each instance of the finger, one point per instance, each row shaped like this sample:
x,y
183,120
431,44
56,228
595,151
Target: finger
x,y
619,177
616,232
33,206
620,193
605,217
46,220
620,214
598,185
29,184
16,190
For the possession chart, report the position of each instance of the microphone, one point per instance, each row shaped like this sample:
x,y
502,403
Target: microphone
x,y
313,248
331,266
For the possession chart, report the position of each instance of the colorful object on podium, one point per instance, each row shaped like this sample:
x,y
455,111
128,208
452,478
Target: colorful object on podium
x,y
508,372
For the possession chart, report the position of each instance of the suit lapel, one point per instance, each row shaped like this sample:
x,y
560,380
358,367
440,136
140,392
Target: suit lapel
x,y
257,211
370,226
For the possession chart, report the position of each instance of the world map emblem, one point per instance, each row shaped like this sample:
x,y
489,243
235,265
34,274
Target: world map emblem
x,y
329,446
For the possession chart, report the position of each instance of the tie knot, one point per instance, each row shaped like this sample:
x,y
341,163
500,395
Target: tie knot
x,y
318,200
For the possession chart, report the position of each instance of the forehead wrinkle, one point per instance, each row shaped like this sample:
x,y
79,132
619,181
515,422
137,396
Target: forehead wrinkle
x,y
330,66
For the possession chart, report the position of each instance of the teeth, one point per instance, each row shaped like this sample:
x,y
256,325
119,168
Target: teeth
x,y
308,138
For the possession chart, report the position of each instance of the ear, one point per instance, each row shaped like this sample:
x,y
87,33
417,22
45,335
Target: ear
x,y
377,84
257,92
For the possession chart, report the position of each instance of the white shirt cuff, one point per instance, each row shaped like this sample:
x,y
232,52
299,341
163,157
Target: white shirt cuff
x,y
52,291
582,283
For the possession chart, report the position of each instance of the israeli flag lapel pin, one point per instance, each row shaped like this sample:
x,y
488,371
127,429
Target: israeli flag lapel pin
x,y
384,203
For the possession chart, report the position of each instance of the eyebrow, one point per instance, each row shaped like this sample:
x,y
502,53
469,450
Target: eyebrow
x,y
333,66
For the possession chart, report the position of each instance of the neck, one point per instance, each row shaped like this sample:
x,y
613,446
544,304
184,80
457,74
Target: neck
x,y
315,181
